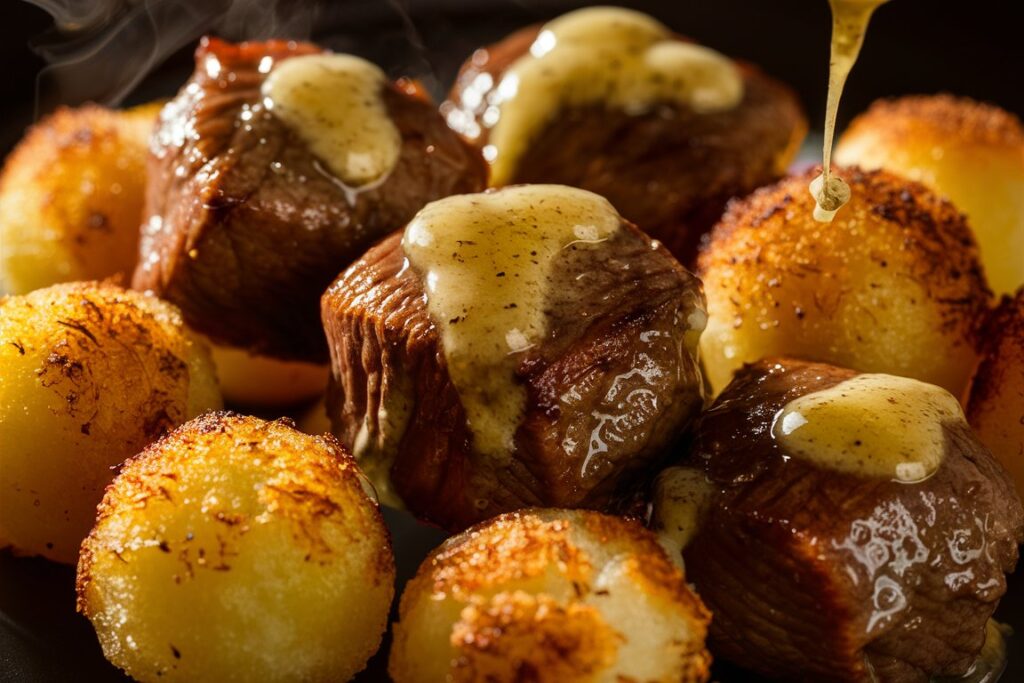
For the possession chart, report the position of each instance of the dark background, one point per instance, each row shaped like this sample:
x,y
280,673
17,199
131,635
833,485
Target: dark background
x,y
914,46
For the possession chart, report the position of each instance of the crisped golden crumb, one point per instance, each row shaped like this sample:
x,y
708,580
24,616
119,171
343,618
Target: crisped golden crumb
x,y
893,284
236,549
71,196
517,636
89,374
995,408
550,595
970,152
941,116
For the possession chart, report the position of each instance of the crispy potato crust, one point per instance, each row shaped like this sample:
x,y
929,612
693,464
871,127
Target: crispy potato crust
x,y
550,595
236,549
969,151
995,408
893,285
71,197
89,374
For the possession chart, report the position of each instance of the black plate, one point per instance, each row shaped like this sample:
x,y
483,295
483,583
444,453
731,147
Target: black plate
x,y
914,46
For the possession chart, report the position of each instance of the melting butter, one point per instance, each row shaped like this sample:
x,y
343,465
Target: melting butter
x,y
849,25
335,104
870,425
486,261
682,496
622,58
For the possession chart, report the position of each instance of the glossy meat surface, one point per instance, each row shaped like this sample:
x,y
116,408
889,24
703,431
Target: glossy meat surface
x,y
813,574
614,382
669,170
245,227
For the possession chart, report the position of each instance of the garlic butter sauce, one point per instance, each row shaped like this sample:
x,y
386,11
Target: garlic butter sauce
x,y
849,25
486,261
870,425
334,103
600,55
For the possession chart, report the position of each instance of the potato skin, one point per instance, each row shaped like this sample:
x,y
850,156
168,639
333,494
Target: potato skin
x,y
89,374
995,408
71,197
893,285
236,549
550,596
969,151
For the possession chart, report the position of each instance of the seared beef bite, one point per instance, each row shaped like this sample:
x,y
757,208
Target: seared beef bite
x,y
610,100
842,526
524,346
259,195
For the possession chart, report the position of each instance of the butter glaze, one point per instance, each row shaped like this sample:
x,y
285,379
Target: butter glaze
x,y
870,425
333,102
682,496
849,25
487,262
622,58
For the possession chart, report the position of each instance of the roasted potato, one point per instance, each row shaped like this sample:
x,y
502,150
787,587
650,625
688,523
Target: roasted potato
x,y
89,374
253,380
550,595
995,408
236,549
893,285
71,197
971,152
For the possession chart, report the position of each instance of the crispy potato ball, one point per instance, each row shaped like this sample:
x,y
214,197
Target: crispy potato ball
x,y
550,595
71,197
971,152
996,405
236,549
253,380
89,374
892,285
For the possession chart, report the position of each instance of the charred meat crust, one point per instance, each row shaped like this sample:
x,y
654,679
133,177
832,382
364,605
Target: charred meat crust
x,y
671,170
245,229
381,337
818,574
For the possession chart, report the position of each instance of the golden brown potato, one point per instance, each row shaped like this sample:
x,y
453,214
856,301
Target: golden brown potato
x,y
253,380
892,285
971,152
550,596
996,405
89,374
236,549
71,197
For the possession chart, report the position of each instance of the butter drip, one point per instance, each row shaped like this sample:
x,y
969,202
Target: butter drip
x,y
870,425
849,25
618,57
486,261
682,496
334,103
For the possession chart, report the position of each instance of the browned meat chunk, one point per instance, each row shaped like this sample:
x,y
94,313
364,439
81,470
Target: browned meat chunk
x,y
670,170
612,384
245,227
813,573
